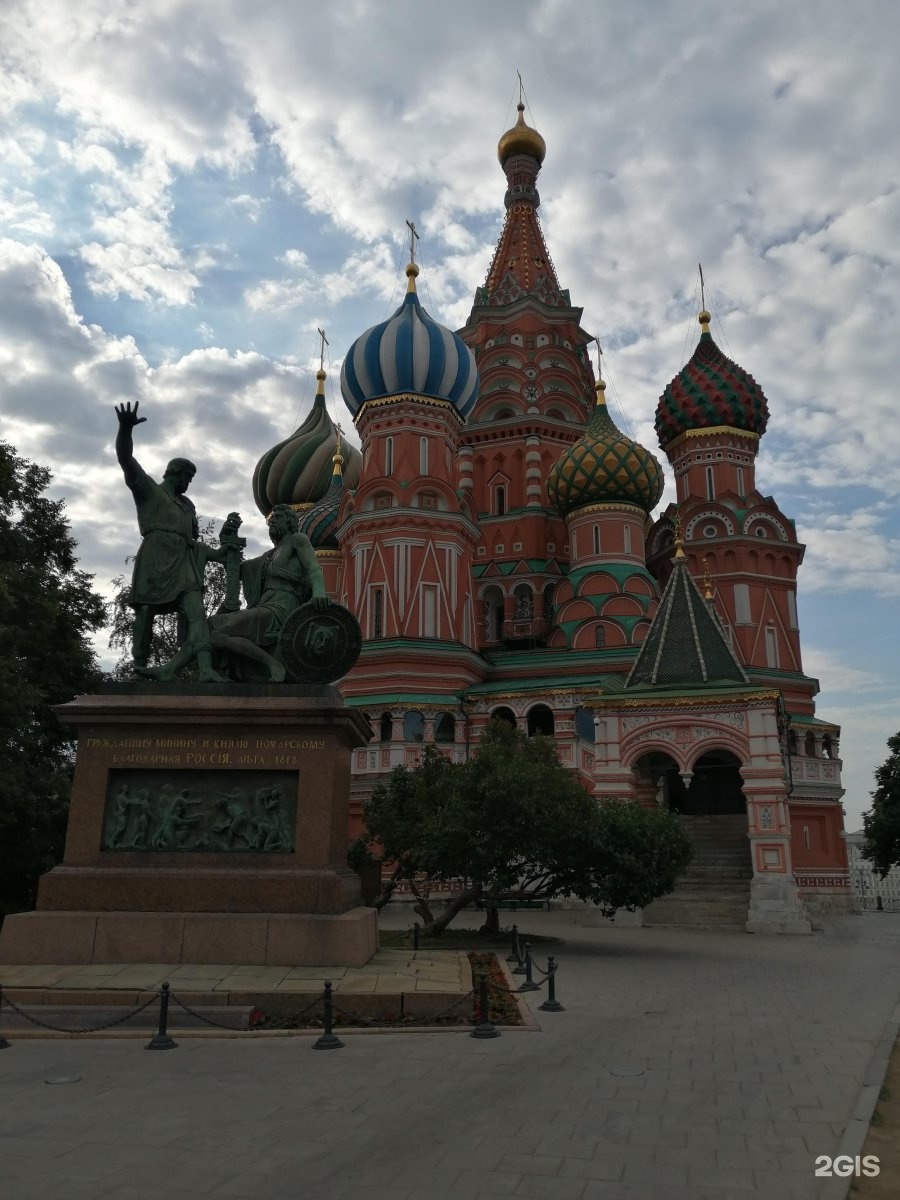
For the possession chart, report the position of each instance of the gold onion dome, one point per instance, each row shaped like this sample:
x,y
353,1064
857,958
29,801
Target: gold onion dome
x,y
521,139
604,467
298,471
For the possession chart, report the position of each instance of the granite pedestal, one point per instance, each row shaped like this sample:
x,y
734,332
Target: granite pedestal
x,y
208,824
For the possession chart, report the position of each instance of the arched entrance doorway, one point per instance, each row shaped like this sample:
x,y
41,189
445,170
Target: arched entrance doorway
x,y
714,891
716,788
659,777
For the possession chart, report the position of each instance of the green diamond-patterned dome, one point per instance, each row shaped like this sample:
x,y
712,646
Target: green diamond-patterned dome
x,y
604,466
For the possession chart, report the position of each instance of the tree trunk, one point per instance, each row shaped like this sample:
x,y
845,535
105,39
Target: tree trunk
x,y
460,902
491,917
387,893
421,906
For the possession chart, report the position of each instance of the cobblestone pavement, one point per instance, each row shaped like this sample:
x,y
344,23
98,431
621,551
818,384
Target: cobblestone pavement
x,y
687,1066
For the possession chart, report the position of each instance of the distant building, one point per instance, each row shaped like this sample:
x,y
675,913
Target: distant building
x,y
494,538
865,880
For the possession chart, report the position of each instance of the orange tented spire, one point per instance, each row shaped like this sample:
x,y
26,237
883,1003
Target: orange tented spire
x,y
521,264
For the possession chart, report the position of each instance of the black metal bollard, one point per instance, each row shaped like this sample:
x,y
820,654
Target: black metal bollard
x,y
520,969
416,936
161,1039
551,1004
484,1028
529,985
329,1040
514,955
4,1044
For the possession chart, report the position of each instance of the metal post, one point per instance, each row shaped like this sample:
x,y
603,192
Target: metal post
x,y
484,1028
520,969
161,1039
515,955
328,1040
4,1044
551,1004
416,936
529,985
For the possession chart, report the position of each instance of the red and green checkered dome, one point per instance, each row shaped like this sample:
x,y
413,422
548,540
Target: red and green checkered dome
x,y
604,466
710,390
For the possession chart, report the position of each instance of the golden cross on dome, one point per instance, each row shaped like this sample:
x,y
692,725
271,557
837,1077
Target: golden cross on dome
x,y
521,87
702,286
413,238
325,342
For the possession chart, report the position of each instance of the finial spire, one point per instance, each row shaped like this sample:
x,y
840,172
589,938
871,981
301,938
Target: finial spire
x,y
337,458
600,386
704,317
413,238
412,268
707,582
679,540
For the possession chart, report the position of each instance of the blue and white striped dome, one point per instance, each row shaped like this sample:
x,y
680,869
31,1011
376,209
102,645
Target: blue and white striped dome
x,y
409,354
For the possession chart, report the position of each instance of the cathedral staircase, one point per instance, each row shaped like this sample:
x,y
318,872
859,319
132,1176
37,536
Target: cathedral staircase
x,y
714,892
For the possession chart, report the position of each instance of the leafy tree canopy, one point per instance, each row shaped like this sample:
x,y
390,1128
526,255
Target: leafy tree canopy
x,y
516,825
47,612
882,822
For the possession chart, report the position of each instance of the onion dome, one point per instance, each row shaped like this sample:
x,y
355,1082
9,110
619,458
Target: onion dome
x,y
298,470
604,467
709,391
410,356
521,139
320,522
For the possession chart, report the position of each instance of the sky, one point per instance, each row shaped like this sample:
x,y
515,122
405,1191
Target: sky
x,y
188,190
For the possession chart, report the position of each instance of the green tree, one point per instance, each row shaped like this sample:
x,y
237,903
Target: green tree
x,y
515,825
47,612
882,822
166,634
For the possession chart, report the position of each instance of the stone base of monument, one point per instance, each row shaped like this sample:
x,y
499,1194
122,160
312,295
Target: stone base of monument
x,y
208,824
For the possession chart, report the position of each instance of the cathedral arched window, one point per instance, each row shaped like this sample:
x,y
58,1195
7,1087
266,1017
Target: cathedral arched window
x,y
413,727
500,500
710,484
540,721
387,727
445,727
596,539
599,637
388,455
827,748
809,746
504,714
423,456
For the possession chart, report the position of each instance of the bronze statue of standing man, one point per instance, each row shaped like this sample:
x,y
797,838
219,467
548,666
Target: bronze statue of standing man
x,y
168,570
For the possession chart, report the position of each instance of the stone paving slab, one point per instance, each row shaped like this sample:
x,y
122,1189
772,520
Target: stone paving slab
x,y
686,1066
389,971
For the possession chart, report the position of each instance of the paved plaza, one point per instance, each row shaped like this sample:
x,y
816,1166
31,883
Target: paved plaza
x,y
687,1066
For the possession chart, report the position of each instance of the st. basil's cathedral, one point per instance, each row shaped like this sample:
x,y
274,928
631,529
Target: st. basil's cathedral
x,y
494,537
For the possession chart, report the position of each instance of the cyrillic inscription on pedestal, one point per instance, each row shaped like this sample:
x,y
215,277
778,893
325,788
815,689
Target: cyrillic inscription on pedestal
x,y
201,810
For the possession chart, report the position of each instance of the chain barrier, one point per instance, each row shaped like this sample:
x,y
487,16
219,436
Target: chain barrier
x,y
286,1022
87,1029
405,1020
199,1016
279,1022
